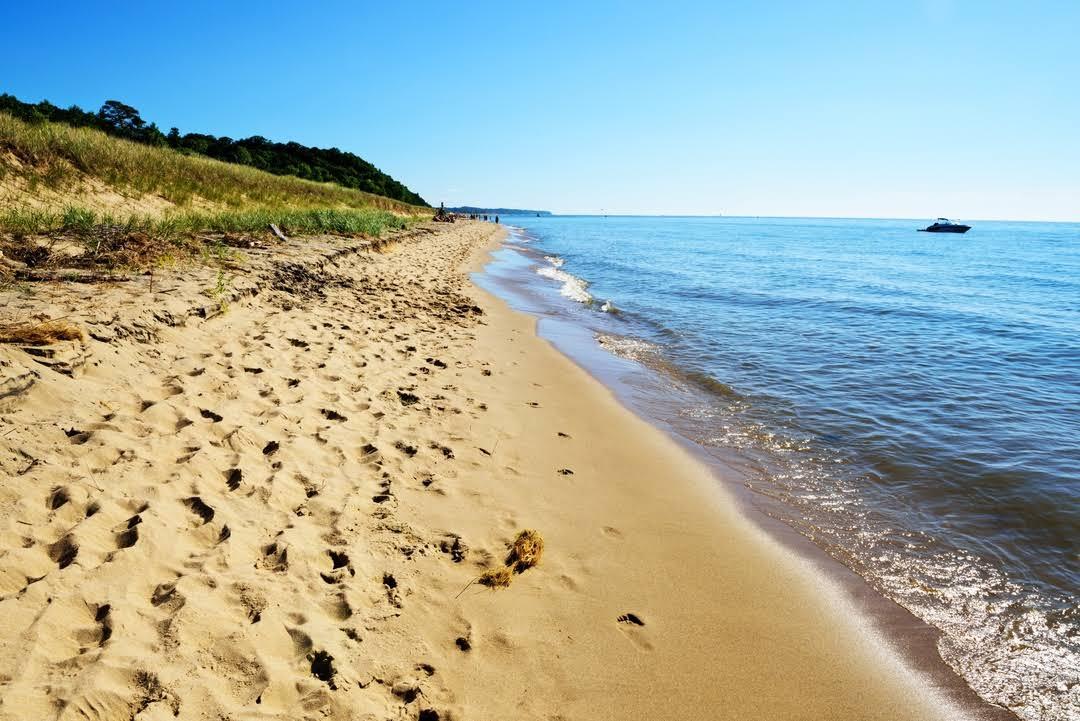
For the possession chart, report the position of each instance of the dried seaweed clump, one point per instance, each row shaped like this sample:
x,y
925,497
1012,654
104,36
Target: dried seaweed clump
x,y
496,578
525,551
43,333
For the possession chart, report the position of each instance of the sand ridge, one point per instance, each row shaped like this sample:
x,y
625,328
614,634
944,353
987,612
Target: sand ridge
x,y
265,505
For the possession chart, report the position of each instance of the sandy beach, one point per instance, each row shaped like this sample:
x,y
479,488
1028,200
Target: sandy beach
x,y
259,494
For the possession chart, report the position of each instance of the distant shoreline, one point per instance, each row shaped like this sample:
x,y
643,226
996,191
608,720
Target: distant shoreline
x,y
472,210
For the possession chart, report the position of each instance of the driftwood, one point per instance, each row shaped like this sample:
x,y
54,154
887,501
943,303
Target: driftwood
x,y
277,233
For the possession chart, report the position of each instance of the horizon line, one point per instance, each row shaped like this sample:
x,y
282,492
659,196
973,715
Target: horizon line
x,y
555,214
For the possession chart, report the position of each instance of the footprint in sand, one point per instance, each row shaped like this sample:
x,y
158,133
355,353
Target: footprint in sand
x,y
447,452
76,436
210,415
173,387
340,559
199,507
385,495
332,415
631,625
338,608
189,453
453,545
393,594
251,600
275,558
128,535
322,668
64,552
58,498
165,594
101,616
233,477
407,399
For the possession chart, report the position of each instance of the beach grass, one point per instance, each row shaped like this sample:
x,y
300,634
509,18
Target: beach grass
x,y
80,221
59,156
132,204
113,242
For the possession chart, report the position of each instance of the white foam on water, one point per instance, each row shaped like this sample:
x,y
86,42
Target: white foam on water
x,y
635,349
574,288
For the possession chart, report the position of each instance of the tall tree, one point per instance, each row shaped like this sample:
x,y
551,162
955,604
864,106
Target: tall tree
x,y
121,118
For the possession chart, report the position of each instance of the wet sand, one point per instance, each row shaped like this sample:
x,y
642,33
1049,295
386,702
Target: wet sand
x,y
265,502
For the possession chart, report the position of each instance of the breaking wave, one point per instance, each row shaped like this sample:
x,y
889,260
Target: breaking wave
x,y
573,287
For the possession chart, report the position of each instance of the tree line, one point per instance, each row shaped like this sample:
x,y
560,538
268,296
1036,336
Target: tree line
x,y
328,165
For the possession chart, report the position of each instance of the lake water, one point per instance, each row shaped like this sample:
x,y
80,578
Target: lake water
x,y
908,401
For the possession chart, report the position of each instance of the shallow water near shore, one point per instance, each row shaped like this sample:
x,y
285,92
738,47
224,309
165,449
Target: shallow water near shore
x,y
904,400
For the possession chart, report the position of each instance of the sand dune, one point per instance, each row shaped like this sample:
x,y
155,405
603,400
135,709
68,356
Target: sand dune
x,y
259,495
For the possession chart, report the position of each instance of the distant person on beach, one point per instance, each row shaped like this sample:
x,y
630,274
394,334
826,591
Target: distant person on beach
x,y
496,219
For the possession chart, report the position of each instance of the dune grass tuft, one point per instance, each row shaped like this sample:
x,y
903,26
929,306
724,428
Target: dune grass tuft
x,y
43,333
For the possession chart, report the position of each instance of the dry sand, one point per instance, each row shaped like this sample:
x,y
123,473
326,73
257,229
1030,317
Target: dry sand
x,y
269,513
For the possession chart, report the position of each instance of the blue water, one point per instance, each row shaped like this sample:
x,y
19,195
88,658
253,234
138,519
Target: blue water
x,y
909,401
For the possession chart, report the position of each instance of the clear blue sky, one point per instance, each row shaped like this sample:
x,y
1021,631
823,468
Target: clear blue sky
x,y
901,109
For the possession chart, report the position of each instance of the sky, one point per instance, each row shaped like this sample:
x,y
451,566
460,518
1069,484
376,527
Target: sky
x,y
904,109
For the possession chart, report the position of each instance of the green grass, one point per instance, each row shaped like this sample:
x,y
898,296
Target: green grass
x,y
205,196
134,242
79,221
58,156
